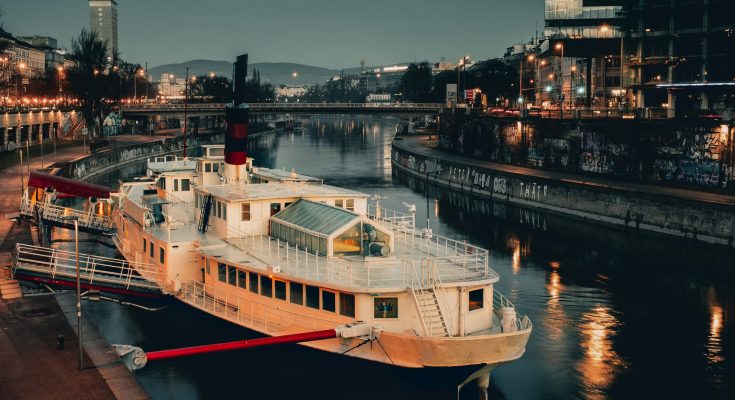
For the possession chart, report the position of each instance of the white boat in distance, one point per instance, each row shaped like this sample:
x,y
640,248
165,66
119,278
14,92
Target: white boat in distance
x,y
282,253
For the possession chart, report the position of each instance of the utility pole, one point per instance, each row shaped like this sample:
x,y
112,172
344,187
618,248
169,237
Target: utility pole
x,y
186,108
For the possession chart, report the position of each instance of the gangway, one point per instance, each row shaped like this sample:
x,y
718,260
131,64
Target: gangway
x,y
60,216
58,267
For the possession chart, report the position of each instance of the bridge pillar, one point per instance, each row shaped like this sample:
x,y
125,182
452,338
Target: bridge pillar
x,y
35,133
23,132
46,130
195,125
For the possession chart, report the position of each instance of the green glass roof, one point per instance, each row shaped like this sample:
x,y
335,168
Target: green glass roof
x,y
316,217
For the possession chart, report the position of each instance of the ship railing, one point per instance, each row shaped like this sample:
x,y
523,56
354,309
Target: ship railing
x,y
395,220
56,213
247,311
452,253
56,264
500,302
148,271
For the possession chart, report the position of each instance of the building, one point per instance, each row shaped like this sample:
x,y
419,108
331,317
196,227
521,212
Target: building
x,y
674,55
103,20
380,79
171,88
290,91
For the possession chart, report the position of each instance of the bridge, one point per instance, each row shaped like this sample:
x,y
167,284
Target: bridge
x,y
52,214
217,110
59,267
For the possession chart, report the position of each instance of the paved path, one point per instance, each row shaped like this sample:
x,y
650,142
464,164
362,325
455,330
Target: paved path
x,y
30,365
415,144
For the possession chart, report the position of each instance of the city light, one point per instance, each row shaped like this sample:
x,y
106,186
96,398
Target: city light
x,y
295,74
549,88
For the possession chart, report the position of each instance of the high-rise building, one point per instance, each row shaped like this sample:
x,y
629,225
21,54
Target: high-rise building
x,y
103,20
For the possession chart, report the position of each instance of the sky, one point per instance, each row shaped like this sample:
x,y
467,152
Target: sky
x,y
325,33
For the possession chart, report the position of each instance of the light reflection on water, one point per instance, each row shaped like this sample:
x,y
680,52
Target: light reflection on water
x,y
616,314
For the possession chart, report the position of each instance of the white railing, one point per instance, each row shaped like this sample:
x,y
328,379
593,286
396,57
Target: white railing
x,y
56,264
500,301
397,221
288,106
53,212
248,312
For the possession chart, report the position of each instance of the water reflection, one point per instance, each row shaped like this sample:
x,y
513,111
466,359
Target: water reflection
x,y
600,363
617,314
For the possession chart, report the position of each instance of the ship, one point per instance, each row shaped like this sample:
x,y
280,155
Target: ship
x,y
283,253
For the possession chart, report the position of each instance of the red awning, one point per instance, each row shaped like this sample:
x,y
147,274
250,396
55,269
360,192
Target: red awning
x,y
68,186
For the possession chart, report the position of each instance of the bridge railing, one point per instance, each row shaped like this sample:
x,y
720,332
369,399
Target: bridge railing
x,y
290,106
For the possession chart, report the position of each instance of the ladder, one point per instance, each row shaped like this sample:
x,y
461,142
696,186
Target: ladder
x,y
206,212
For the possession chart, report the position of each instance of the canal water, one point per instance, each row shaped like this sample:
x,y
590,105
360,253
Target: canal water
x,y
616,313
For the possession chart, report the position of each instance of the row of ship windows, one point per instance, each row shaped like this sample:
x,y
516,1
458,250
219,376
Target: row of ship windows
x,y
301,294
180,185
150,248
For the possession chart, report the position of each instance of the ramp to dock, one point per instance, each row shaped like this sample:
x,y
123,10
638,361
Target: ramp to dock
x,y
58,267
60,216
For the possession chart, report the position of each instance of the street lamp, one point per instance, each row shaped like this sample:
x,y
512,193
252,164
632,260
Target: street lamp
x,y
79,289
560,46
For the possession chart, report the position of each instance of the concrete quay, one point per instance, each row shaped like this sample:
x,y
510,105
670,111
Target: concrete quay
x,y
697,215
33,367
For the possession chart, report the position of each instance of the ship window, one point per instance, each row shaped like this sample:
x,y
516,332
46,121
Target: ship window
x,y
224,211
312,296
266,286
297,293
275,207
476,299
385,307
206,265
286,205
348,243
145,243
219,210
351,204
245,211
254,282
161,255
176,185
339,203
222,272
207,167
347,304
328,301
151,248
215,167
242,279
232,276
280,287
185,185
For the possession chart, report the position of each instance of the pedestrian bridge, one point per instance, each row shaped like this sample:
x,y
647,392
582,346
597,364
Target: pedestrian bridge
x,y
61,216
216,109
59,267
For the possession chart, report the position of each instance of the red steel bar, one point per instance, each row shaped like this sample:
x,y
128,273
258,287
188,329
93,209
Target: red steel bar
x,y
68,186
241,344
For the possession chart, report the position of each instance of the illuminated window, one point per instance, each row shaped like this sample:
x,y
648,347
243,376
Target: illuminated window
x,y
351,204
385,307
476,299
339,203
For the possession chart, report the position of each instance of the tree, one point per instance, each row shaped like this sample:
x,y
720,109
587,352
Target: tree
x,y
416,83
257,92
8,72
215,89
90,78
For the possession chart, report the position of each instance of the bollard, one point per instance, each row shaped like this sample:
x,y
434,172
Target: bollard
x,y
60,342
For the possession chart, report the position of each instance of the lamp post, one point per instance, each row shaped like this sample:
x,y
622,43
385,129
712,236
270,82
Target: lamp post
x,y
562,98
79,289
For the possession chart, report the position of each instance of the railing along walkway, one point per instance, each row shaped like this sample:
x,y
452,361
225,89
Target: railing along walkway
x,y
101,271
55,213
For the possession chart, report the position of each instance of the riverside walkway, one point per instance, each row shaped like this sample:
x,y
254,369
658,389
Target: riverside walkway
x,y
34,368
421,146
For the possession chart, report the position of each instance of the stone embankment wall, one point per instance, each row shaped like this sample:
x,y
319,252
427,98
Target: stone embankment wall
x,y
105,161
702,221
693,153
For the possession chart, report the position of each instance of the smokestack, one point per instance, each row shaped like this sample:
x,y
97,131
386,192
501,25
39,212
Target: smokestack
x,y
238,120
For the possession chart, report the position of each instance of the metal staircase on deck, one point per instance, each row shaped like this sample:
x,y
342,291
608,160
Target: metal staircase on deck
x,y
431,312
206,212
425,285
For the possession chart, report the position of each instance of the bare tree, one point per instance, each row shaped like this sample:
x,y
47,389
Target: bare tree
x,y
90,78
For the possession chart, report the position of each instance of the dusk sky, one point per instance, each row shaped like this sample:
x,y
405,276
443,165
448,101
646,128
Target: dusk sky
x,y
327,33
